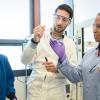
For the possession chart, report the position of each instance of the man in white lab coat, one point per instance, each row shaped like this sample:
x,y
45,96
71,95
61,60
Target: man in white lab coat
x,y
44,84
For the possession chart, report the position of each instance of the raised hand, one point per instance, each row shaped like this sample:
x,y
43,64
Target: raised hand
x,y
38,33
58,48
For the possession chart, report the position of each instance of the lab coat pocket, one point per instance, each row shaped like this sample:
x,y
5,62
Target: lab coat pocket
x,y
34,88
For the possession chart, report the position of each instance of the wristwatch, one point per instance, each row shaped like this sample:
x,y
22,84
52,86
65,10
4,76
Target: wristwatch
x,y
32,40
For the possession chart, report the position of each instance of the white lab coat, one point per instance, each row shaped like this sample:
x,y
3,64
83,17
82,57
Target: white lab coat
x,y
44,85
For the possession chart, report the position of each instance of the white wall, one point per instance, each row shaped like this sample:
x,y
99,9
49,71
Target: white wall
x,y
14,18
85,9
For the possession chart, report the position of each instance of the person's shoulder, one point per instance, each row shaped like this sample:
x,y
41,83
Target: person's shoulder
x,y
89,52
68,40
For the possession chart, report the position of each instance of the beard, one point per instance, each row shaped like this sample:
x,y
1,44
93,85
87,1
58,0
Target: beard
x,y
59,29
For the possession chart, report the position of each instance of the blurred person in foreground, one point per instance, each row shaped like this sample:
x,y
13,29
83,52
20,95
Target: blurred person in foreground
x,y
6,80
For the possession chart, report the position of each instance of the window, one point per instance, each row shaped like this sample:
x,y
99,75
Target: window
x,y
14,19
14,27
13,53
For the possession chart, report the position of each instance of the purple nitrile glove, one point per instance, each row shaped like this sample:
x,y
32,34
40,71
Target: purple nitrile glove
x,y
58,48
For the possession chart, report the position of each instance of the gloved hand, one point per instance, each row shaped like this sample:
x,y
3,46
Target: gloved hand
x,y
58,48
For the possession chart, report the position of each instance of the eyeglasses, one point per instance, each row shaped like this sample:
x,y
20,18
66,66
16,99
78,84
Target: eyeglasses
x,y
97,26
64,19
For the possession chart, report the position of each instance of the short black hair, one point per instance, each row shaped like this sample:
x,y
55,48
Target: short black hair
x,y
65,7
